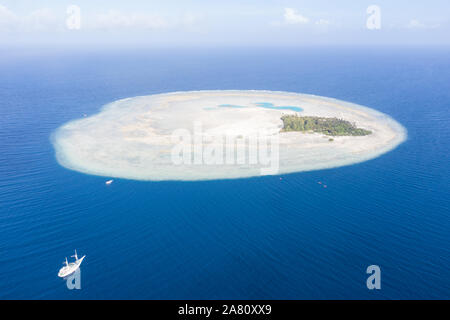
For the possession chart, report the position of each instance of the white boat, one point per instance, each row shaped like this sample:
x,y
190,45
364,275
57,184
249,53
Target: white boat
x,y
109,182
70,268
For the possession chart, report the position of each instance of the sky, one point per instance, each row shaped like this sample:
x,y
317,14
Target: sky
x,y
225,23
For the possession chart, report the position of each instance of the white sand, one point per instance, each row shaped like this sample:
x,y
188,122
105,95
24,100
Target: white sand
x,y
131,138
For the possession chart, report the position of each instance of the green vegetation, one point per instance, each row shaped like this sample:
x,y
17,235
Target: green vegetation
x,y
327,126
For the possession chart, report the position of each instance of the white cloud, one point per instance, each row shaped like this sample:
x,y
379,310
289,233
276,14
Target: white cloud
x,y
5,14
42,19
416,24
115,19
323,22
46,20
291,16
323,25
39,20
8,20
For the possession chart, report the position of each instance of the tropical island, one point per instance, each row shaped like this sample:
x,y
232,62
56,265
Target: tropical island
x,y
327,126
207,135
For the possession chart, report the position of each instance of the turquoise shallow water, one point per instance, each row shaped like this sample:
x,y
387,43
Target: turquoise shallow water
x,y
269,105
248,238
266,105
231,106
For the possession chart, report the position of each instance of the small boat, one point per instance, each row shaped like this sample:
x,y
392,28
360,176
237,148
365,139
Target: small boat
x,y
70,268
109,182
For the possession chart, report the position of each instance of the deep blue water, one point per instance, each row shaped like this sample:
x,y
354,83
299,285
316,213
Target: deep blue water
x,y
248,238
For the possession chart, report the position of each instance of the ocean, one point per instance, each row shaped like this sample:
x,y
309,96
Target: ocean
x,y
256,238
